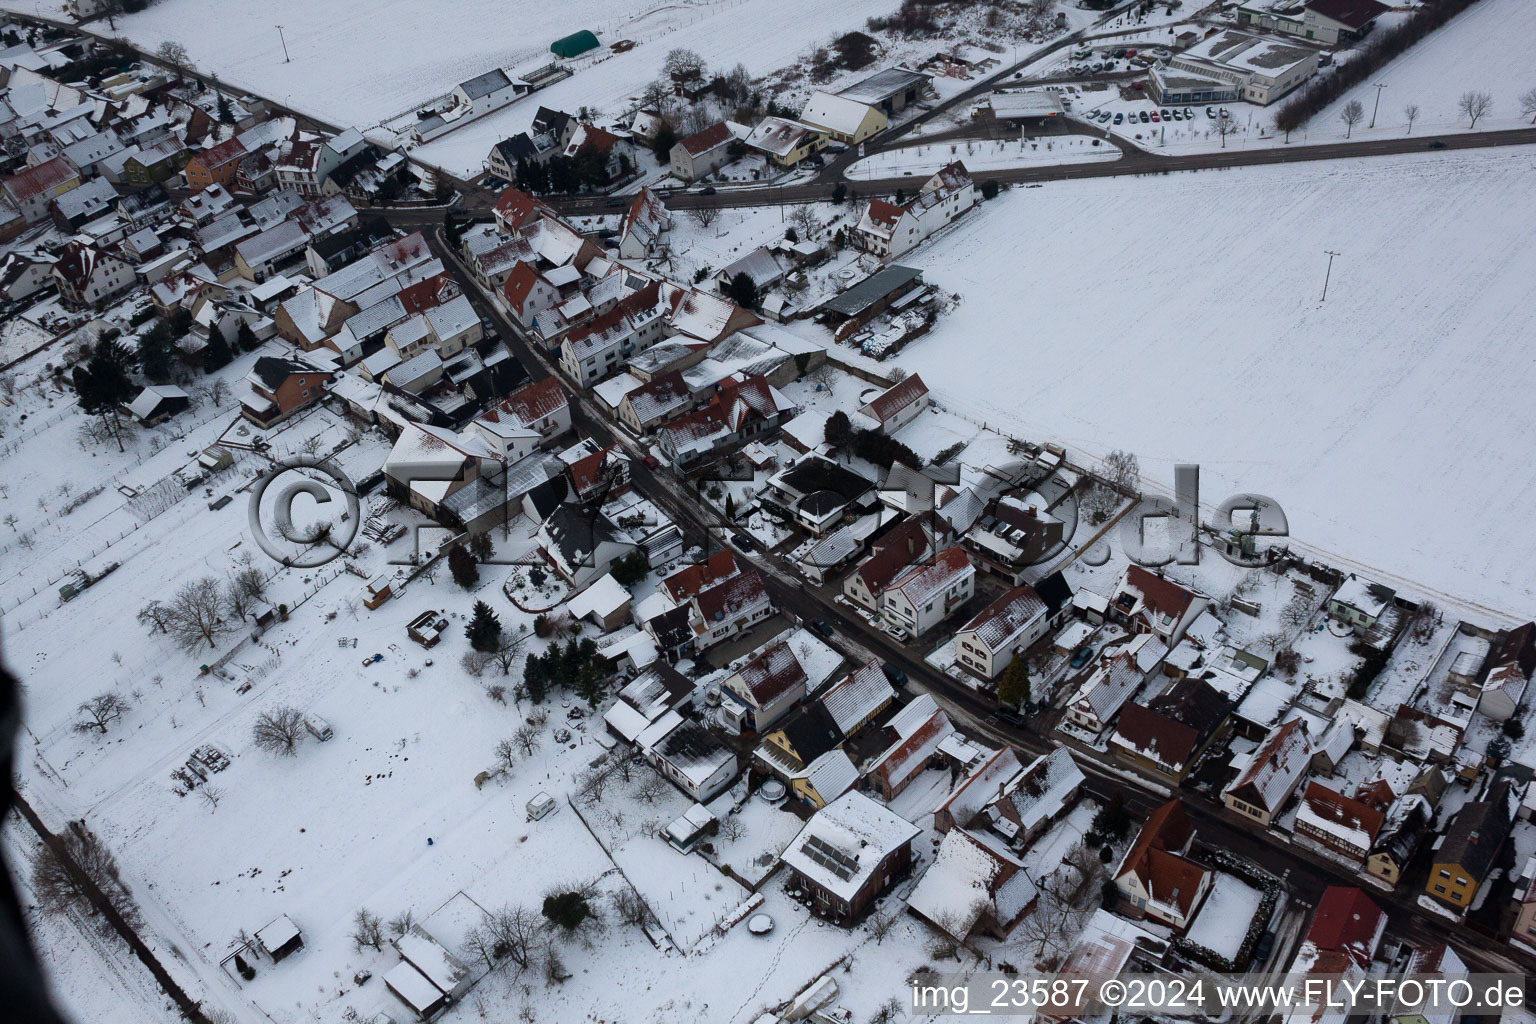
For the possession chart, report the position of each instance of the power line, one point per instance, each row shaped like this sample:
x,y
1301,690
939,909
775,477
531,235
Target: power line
x,y
1327,274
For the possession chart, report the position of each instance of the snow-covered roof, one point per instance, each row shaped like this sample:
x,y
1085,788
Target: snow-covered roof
x,y
832,774
854,700
838,114
959,885
413,987
1275,768
603,597
845,842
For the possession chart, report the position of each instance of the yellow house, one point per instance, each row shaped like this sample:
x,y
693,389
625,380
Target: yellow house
x,y
1472,842
845,120
786,142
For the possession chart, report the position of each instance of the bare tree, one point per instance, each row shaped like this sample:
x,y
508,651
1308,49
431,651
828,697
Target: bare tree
x,y
195,615
211,795
652,788
401,923
1411,114
219,393
1225,126
506,755
1352,114
251,582
153,615
1473,105
174,56
474,662
1528,104
880,925
517,931
1123,470
480,944
704,216
367,929
889,1012
237,601
803,219
505,654
100,711
630,907
732,829
527,738
58,888
683,63
278,731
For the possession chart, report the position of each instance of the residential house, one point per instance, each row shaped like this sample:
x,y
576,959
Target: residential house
x,y
914,734
925,595
1146,602
728,608
1264,785
784,142
216,165
703,152
972,886
913,541
662,398
581,544
1472,843
1017,804
156,162
646,223
897,405
1407,824
1511,662
1013,536
1119,674
33,190
738,411
279,387
856,700
1157,879
1359,603
1010,625
1167,736
690,756
541,407
850,852
1346,826
86,276
764,689
657,690
819,493
843,118
1344,935
79,206
24,274
515,211
802,738
598,347
888,230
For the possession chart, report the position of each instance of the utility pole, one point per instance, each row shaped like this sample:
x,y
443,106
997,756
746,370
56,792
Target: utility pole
x,y
1377,105
286,59
1327,274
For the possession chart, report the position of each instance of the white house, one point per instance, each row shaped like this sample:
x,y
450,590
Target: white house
x,y
889,230
688,755
986,645
703,152
764,689
645,225
1101,696
86,275
897,405
727,609
845,120
925,595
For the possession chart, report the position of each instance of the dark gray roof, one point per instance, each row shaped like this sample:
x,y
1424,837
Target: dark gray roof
x,y
273,370
882,85
1476,833
872,289
518,147
811,475
484,85
578,531
1055,592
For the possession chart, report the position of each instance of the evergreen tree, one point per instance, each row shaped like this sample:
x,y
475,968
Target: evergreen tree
x,y
482,547
1112,821
245,338
226,112
1014,688
743,292
661,145
484,629
590,682
155,353
536,678
838,431
462,565
217,355
180,322
104,387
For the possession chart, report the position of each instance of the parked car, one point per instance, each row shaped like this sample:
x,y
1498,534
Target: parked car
x,y
1155,118
897,633
1118,53
823,628
615,203
1164,111
707,190
1145,118
1223,112
1008,716
1263,948
1119,118
743,541
1210,112
1189,114
894,675
651,462
1082,656
1437,144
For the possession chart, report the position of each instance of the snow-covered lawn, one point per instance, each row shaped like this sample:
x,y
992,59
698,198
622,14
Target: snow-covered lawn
x,y
1486,48
1223,919
983,155
1227,359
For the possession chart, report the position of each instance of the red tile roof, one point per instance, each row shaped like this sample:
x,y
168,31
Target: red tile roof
x,y
516,206
684,583
1157,860
519,284
737,594
1341,810
217,156
703,141
882,212
896,398
531,403
772,674
36,180
1348,922
1161,595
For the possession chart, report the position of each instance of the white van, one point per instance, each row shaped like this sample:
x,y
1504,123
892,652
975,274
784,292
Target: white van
x,y
542,806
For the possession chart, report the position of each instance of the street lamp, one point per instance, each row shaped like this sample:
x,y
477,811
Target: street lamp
x,y
286,59
1374,107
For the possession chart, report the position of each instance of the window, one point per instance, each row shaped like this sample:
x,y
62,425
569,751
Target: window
x,y
1444,873
1440,889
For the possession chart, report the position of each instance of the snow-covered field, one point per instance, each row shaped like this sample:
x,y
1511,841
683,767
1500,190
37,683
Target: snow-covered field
x,y
983,155
1223,356
1486,48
